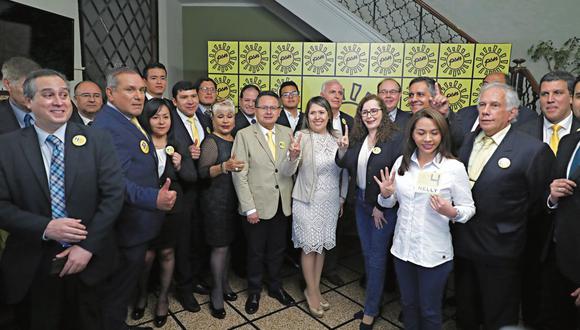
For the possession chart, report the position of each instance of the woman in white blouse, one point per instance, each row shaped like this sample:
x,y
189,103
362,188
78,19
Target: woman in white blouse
x,y
432,189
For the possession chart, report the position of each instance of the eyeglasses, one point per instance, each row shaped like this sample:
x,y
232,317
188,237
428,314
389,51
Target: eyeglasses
x,y
389,92
370,112
207,89
269,108
88,95
290,94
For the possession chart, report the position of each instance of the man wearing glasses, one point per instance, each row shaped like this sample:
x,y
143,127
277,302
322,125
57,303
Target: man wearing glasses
x,y
89,100
389,91
207,93
290,97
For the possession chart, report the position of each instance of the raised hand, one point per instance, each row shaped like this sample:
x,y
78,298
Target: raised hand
x,y
234,165
66,230
195,150
442,206
386,183
294,148
439,102
165,197
176,160
343,140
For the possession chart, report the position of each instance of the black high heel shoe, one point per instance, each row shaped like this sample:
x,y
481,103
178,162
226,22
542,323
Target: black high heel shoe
x,y
160,320
137,312
217,313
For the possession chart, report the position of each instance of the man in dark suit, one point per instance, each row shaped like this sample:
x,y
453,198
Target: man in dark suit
x,y
60,194
207,92
508,171
155,78
466,119
190,126
290,116
576,100
561,271
333,92
143,211
89,100
13,112
246,114
389,91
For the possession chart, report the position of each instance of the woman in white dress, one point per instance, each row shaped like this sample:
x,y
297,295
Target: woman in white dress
x,y
317,196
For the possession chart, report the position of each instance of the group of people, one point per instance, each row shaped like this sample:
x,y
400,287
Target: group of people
x,y
91,197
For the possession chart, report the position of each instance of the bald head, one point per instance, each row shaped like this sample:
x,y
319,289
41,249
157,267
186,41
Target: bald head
x,y
88,98
495,77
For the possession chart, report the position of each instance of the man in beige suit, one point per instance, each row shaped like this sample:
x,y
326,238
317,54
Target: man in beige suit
x,y
264,194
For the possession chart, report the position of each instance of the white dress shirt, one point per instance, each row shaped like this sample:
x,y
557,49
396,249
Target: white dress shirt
x,y
185,121
161,161
422,235
565,127
46,148
293,121
363,160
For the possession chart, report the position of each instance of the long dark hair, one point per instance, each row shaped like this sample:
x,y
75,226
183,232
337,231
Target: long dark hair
x,y
150,109
386,127
320,101
409,145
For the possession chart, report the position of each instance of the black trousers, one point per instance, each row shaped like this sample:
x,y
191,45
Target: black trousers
x,y
557,309
487,293
120,286
266,245
58,303
191,251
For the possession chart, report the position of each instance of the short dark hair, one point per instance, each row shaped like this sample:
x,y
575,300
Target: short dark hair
x,y
559,75
267,93
153,65
287,83
576,83
245,88
29,85
200,80
150,108
429,81
182,85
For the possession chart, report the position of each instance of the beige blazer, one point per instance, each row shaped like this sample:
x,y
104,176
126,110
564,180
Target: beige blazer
x,y
261,184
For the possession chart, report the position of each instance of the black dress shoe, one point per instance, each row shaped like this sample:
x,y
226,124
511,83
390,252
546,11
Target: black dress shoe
x,y
218,313
334,279
201,288
282,296
230,296
160,320
253,303
188,301
364,326
137,313
359,315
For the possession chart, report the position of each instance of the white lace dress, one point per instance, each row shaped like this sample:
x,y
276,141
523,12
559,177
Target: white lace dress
x,y
314,224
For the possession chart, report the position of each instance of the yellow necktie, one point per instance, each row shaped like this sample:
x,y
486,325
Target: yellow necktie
x,y
135,122
194,130
479,160
271,144
555,139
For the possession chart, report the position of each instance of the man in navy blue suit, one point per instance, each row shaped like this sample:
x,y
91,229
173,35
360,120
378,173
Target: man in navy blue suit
x,y
389,90
142,214
509,171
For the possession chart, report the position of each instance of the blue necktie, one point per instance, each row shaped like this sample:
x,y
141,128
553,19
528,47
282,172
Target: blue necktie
x,y
57,194
575,162
28,120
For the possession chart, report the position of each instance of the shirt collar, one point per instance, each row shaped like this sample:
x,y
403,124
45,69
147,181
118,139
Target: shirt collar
x,y
497,137
265,130
565,123
42,134
19,112
119,111
436,161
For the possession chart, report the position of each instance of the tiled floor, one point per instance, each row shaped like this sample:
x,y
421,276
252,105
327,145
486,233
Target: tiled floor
x,y
345,301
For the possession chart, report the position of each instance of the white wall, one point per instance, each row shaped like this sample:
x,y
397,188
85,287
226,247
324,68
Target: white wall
x,y
68,8
521,23
171,41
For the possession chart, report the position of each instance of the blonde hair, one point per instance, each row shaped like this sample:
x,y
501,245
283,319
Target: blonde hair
x,y
224,105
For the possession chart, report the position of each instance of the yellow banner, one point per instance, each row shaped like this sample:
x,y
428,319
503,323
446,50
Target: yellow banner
x,y
459,68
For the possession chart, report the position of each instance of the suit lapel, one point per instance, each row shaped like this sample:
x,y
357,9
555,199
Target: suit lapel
x,y
31,150
72,157
262,141
504,150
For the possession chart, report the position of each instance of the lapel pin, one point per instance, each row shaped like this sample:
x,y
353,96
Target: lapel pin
x,y
79,140
504,162
144,146
376,150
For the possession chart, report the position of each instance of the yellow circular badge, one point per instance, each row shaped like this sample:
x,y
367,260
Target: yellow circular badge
x,y
208,130
282,145
343,121
376,150
144,146
79,140
504,162
169,150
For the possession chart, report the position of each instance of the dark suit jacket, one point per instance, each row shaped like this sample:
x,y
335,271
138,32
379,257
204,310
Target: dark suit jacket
x,y
402,118
390,151
139,220
180,131
568,212
536,128
283,120
186,175
94,194
8,121
504,198
241,122
76,118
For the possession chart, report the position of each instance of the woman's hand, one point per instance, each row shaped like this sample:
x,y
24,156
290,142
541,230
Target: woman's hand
x,y
442,206
176,160
343,140
294,149
233,165
386,183
379,218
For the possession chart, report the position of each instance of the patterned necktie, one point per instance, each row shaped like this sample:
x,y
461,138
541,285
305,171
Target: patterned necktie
x,y
555,139
194,130
57,193
575,163
135,122
271,144
27,120
478,161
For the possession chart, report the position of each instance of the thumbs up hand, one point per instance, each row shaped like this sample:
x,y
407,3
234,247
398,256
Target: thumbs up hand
x,y
165,197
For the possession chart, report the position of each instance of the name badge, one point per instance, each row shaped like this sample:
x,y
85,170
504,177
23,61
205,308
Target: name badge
x,y
429,182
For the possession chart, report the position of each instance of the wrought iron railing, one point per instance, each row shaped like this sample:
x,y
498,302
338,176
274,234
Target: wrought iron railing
x,y
407,21
525,84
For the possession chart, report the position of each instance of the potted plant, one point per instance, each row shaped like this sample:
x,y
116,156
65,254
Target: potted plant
x,y
565,58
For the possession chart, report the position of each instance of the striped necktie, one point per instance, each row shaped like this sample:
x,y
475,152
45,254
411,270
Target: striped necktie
x,y
57,188
28,120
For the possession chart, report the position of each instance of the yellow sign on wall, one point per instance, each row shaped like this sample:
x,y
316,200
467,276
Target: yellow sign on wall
x,y
459,68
